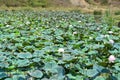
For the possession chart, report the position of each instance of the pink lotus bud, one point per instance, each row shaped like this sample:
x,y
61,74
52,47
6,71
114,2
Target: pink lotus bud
x,y
111,58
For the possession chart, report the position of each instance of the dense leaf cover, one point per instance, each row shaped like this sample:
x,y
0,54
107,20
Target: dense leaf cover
x,y
57,46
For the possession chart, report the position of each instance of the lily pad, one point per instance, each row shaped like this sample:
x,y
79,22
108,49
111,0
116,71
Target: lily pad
x,y
36,74
24,55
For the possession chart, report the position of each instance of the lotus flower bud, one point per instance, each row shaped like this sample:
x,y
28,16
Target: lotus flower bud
x,y
111,58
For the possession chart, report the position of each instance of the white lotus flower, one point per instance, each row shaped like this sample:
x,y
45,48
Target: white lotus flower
x,y
79,21
27,22
57,26
90,37
70,25
111,58
110,32
74,32
107,36
61,50
111,41
7,25
37,28
98,28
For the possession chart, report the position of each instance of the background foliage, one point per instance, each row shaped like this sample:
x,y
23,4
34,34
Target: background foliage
x,y
47,3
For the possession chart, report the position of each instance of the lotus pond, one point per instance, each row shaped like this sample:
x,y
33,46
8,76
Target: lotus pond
x,y
52,45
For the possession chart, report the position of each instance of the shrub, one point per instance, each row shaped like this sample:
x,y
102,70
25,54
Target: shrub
x,y
117,12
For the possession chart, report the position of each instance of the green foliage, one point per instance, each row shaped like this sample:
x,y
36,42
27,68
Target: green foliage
x,y
36,74
90,1
17,3
36,3
30,43
104,1
96,12
108,18
117,12
14,3
97,15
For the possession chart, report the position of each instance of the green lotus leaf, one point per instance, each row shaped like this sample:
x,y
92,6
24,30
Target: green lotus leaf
x,y
2,58
117,66
18,77
99,78
4,64
67,57
58,32
91,72
45,79
3,75
92,52
115,51
38,53
98,67
116,45
36,59
51,66
99,38
19,45
117,76
70,76
8,79
24,55
23,63
54,77
36,74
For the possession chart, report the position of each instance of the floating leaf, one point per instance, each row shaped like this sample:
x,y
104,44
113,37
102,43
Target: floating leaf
x,y
51,66
36,59
91,72
2,58
3,75
24,55
67,57
36,74
100,78
23,63
4,64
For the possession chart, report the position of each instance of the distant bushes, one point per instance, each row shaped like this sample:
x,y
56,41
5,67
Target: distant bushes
x,y
18,3
97,1
97,15
36,3
13,3
97,12
117,12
